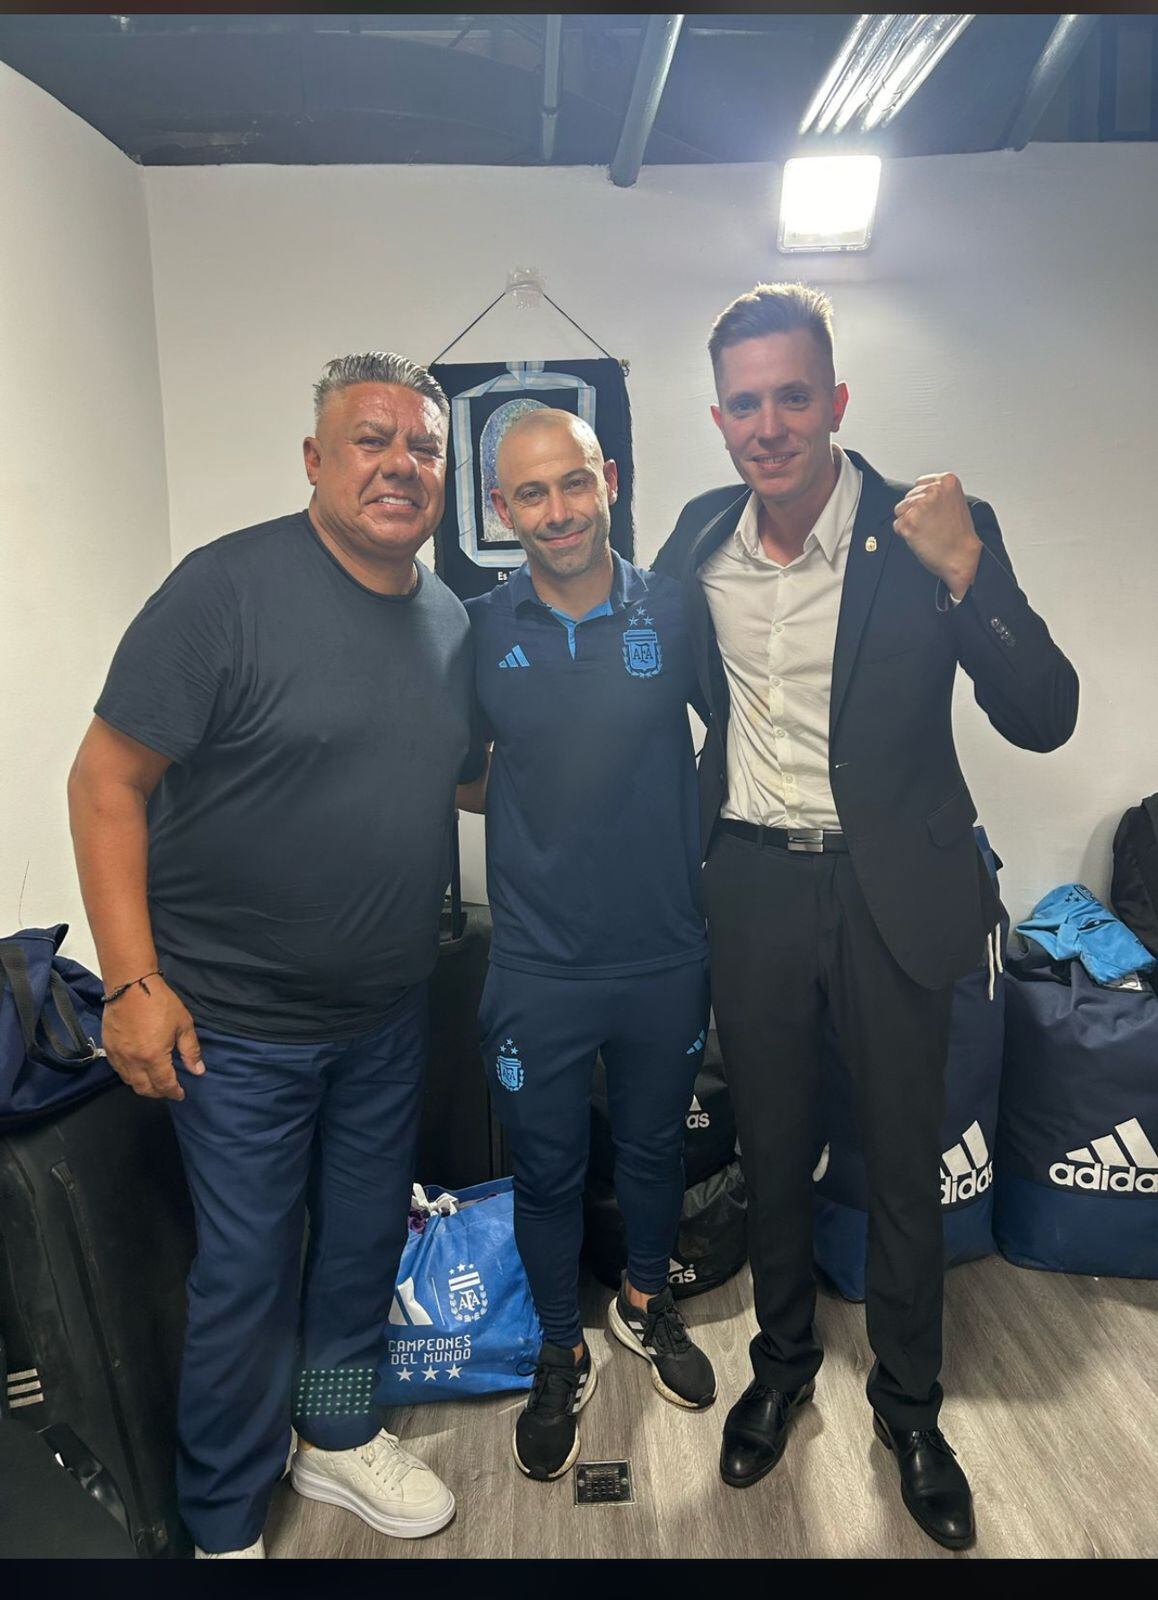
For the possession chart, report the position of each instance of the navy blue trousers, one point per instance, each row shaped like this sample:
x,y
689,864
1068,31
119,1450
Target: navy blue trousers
x,y
540,1036
269,1129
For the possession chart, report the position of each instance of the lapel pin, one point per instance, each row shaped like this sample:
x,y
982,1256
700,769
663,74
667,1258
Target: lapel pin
x,y
870,544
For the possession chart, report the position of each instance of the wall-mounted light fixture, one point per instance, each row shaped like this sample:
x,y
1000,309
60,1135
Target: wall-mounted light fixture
x,y
828,202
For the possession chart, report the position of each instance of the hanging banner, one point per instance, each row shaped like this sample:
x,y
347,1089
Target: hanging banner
x,y
473,551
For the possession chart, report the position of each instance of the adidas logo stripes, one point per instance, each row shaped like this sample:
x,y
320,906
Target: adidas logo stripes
x,y
1122,1162
697,1117
680,1272
967,1170
1108,1151
24,1389
584,1380
515,658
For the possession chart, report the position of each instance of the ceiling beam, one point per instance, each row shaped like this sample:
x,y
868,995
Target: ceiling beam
x,y
1062,49
552,58
655,57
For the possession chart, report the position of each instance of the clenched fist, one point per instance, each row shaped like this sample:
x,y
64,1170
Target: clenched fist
x,y
933,520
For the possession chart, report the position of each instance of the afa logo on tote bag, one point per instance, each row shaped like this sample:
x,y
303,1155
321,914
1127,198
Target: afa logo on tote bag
x,y
462,1320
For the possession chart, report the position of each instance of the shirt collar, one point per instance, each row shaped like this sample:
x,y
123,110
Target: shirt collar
x,y
830,528
627,585
520,588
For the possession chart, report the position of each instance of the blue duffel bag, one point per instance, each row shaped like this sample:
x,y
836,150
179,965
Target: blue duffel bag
x,y
462,1320
972,1084
50,1028
1077,1164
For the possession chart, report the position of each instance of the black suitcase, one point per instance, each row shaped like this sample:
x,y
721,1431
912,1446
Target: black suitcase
x,y
96,1239
460,1140
45,1514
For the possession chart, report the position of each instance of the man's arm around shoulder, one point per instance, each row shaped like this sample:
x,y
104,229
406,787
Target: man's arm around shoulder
x,y
472,796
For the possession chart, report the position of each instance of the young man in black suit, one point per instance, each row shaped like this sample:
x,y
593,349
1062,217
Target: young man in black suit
x,y
829,611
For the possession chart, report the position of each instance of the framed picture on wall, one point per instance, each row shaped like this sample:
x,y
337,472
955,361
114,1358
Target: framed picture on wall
x,y
473,549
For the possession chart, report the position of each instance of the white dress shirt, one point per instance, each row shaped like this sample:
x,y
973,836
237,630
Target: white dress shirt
x,y
776,628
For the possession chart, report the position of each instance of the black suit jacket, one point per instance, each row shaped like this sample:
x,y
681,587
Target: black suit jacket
x,y
900,794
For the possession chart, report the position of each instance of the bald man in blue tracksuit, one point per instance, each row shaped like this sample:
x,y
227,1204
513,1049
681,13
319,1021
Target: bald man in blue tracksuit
x,y
583,672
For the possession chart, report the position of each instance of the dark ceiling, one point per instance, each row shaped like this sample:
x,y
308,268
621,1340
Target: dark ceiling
x,y
179,90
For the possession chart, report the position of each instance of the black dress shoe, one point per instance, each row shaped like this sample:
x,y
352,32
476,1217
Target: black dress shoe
x,y
934,1488
756,1432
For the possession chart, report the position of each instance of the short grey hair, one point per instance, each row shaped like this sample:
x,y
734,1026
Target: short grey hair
x,y
377,366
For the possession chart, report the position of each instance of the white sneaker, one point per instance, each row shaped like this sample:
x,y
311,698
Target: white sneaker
x,y
252,1552
382,1483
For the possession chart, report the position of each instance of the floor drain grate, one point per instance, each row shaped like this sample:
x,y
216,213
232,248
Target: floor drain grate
x,y
603,1483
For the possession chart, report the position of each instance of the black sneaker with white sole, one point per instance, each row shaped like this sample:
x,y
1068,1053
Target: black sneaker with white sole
x,y
546,1441
679,1370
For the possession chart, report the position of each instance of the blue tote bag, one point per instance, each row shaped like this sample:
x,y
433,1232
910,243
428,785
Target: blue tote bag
x,y
462,1320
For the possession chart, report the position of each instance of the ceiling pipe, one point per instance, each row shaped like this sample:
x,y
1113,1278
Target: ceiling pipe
x,y
659,41
552,58
1062,49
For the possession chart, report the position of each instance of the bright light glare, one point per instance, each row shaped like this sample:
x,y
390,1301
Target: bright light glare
x,y
828,202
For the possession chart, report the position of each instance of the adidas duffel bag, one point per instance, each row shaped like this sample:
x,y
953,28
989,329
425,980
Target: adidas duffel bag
x,y
1077,1147
50,1029
712,1244
972,1084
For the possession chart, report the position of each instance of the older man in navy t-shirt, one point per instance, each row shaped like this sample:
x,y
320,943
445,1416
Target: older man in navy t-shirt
x,y
262,808
583,673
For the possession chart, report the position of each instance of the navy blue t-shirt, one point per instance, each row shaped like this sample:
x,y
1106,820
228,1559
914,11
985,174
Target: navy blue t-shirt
x,y
593,856
299,845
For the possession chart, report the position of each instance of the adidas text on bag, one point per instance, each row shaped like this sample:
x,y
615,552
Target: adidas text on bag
x,y
1126,1164
697,1117
967,1170
678,1272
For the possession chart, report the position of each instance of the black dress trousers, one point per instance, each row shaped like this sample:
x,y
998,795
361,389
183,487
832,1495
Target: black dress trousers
x,y
790,933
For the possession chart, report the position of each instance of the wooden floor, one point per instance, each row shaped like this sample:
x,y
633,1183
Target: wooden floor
x,y
1052,1386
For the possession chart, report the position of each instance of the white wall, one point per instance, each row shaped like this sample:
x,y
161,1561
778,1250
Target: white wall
x,y
999,328
84,525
